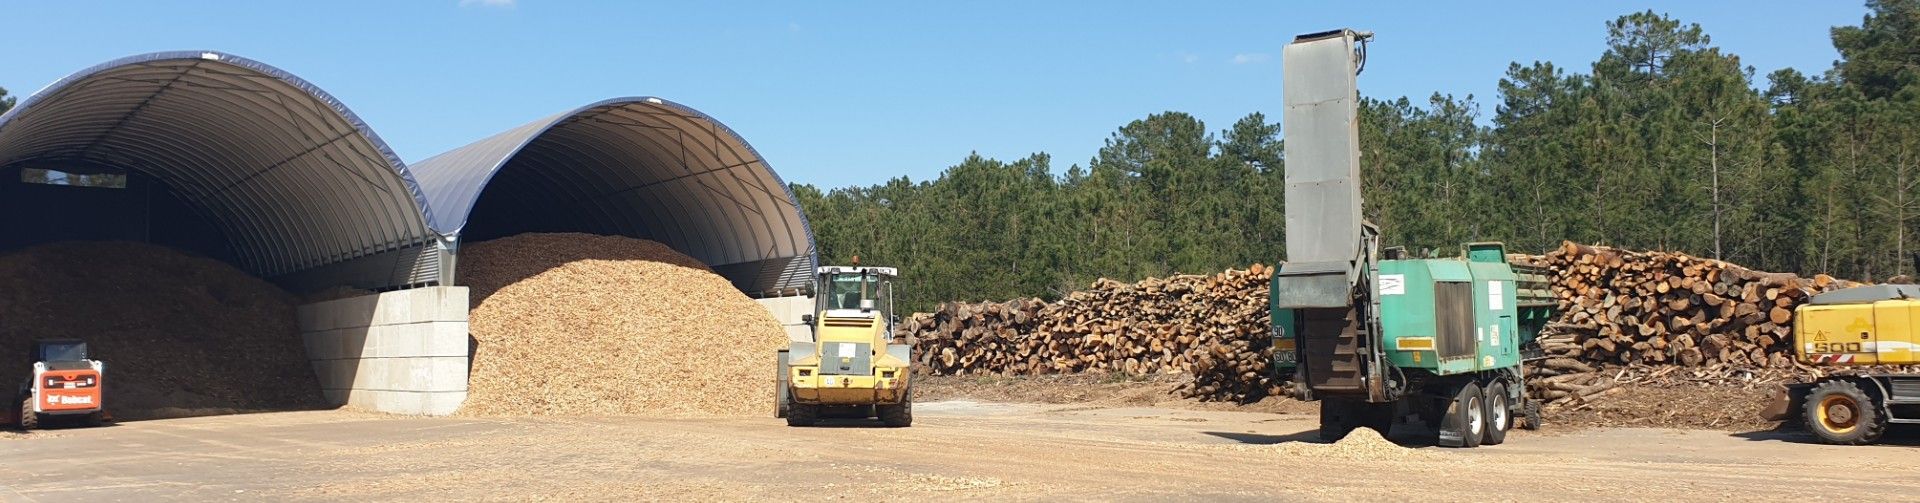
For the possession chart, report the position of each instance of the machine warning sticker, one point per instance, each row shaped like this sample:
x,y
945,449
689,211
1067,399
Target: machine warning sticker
x,y
1496,292
1393,284
846,349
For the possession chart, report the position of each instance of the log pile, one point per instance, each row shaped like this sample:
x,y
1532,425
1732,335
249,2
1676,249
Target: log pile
x,y
1629,307
1650,317
1212,327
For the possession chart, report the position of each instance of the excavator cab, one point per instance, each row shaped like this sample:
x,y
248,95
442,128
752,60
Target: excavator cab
x,y
65,384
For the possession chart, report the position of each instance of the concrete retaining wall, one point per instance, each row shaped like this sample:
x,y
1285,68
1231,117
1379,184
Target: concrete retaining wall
x,y
789,310
402,352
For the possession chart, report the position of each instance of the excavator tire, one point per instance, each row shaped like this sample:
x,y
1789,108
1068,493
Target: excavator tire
x,y
899,415
28,419
1839,412
800,414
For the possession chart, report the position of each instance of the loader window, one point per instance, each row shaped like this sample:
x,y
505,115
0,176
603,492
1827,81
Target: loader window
x,y
62,351
845,291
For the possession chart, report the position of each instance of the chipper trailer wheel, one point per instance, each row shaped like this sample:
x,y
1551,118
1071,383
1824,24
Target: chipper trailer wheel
x,y
1499,414
1466,420
1839,412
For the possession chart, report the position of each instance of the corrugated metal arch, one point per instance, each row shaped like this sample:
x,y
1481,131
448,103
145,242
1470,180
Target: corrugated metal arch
x,y
638,166
296,181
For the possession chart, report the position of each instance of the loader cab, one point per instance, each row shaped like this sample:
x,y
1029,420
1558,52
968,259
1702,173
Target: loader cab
x,y
856,292
61,354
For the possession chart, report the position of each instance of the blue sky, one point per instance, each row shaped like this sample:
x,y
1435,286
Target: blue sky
x,y
841,93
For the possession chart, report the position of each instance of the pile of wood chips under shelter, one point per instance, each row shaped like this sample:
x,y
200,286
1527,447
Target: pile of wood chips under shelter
x,y
180,334
588,324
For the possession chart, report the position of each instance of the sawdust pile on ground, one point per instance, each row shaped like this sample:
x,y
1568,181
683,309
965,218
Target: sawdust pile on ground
x,y
178,332
587,324
1706,406
1363,444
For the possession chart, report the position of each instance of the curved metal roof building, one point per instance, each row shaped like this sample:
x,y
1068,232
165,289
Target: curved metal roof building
x,y
642,167
298,188
265,170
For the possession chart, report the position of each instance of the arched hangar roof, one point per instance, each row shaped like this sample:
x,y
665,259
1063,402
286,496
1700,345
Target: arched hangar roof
x,y
291,177
642,167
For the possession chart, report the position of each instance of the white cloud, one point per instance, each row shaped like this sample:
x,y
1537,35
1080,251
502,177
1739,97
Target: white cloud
x,y
1189,58
487,3
1249,57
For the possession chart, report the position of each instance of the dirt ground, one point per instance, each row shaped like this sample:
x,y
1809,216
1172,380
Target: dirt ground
x,y
957,449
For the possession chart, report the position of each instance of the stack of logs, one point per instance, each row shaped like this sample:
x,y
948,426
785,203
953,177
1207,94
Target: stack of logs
x,y
1633,311
1212,327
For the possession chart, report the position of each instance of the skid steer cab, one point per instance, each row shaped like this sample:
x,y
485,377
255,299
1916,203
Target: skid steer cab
x,y
65,386
853,367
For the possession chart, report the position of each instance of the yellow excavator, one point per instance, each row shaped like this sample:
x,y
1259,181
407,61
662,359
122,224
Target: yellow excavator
x,y
853,367
1854,327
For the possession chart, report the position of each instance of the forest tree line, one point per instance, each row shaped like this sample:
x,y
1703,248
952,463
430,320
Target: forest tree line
x,y
1665,142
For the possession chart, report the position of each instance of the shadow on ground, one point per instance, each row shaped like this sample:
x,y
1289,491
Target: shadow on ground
x,y
1901,435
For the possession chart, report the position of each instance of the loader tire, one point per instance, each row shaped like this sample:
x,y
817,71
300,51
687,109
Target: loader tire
x,y
1839,412
899,415
28,419
800,414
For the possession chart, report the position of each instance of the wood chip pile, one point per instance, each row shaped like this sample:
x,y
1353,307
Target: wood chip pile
x,y
1212,327
587,324
180,334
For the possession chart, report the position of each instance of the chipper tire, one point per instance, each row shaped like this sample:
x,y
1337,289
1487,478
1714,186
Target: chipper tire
x,y
28,419
898,415
1839,412
1465,418
1499,414
800,414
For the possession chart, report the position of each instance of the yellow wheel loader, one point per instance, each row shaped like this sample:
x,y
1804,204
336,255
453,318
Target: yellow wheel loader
x,y
853,367
1854,327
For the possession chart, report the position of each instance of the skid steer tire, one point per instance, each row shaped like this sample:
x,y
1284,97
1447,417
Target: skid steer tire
x,y
28,419
1465,421
898,415
802,414
1839,412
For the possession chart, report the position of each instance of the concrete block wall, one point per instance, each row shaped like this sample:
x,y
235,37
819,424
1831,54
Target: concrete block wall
x,y
401,352
789,310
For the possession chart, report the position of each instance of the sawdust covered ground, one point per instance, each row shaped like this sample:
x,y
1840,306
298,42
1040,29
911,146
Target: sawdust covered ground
x,y
588,324
1710,407
956,450
1104,390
